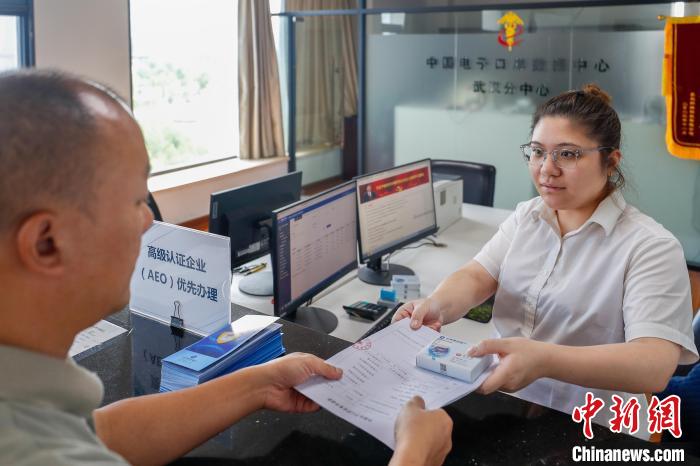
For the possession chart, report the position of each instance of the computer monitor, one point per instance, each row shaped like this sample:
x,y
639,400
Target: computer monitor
x,y
315,244
395,208
244,214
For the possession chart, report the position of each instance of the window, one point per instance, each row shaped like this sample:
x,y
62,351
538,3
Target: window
x,y
9,51
184,68
16,48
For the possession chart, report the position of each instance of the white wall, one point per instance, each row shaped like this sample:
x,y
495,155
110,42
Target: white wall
x,y
86,37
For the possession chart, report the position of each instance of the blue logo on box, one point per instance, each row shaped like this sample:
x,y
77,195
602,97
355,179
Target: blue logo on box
x,y
438,350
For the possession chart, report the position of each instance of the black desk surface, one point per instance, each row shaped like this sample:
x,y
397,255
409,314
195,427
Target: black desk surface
x,y
493,429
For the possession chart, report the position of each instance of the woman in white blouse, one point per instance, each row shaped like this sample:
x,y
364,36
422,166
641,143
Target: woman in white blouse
x,y
591,294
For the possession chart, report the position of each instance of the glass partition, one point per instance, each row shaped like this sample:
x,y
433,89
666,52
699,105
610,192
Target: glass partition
x,y
326,78
451,85
320,77
326,95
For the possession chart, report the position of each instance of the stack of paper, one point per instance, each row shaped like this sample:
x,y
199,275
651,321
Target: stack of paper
x,y
380,376
246,342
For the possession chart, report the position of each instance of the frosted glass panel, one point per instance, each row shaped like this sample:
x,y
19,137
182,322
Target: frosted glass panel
x,y
442,86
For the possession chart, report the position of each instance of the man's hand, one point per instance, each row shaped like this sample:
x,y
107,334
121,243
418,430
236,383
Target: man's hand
x,y
422,437
522,361
422,312
281,375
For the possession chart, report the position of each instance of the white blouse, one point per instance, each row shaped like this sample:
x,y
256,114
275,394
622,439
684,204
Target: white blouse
x,y
618,277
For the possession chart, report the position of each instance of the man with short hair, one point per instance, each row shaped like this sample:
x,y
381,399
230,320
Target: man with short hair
x,y
73,208
368,194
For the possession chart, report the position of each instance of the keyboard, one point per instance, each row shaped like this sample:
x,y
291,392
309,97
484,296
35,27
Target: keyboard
x,y
382,323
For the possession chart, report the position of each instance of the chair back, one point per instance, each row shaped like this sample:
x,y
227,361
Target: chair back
x,y
478,179
154,207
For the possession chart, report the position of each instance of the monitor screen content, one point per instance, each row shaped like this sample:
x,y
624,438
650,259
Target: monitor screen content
x,y
395,208
315,245
244,214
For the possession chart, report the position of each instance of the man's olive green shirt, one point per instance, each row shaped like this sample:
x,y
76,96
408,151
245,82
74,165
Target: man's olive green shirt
x,y
46,405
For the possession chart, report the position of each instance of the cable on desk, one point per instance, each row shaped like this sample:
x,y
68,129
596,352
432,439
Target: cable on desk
x,y
428,242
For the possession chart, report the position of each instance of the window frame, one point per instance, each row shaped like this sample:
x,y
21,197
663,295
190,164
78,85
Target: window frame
x,y
23,10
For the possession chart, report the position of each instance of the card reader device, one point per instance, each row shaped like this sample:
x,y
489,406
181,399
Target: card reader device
x,y
365,310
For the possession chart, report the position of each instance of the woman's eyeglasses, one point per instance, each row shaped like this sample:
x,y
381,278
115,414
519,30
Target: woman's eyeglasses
x,y
564,158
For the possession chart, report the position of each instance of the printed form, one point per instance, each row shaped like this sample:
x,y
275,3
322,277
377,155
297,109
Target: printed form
x,y
99,333
380,376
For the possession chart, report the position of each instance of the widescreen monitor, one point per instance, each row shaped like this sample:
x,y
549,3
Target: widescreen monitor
x,y
395,208
315,244
244,214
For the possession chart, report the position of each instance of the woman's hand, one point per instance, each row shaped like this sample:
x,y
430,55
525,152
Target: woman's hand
x,y
522,361
280,376
422,312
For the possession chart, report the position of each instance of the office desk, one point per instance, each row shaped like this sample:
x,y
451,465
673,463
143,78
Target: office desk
x,y
493,429
464,239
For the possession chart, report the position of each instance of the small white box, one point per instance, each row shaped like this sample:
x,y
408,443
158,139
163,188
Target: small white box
x,y
405,280
448,202
405,286
407,296
449,357
401,290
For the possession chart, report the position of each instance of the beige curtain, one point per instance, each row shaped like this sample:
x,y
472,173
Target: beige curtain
x,y
348,43
326,65
259,103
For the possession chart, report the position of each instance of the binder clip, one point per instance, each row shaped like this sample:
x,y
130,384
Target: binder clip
x,y
177,323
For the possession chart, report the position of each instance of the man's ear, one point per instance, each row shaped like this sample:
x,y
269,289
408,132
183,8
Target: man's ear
x,y
38,245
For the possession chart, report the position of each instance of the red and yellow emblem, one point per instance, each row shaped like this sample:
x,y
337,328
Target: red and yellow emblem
x,y
513,27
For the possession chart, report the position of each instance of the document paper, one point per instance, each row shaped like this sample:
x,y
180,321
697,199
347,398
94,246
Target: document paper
x,y
94,336
380,376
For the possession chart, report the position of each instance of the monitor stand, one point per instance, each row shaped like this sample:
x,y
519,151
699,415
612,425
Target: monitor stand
x,y
257,284
377,272
314,318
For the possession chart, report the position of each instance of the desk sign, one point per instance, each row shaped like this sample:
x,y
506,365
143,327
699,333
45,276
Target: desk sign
x,y
183,278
